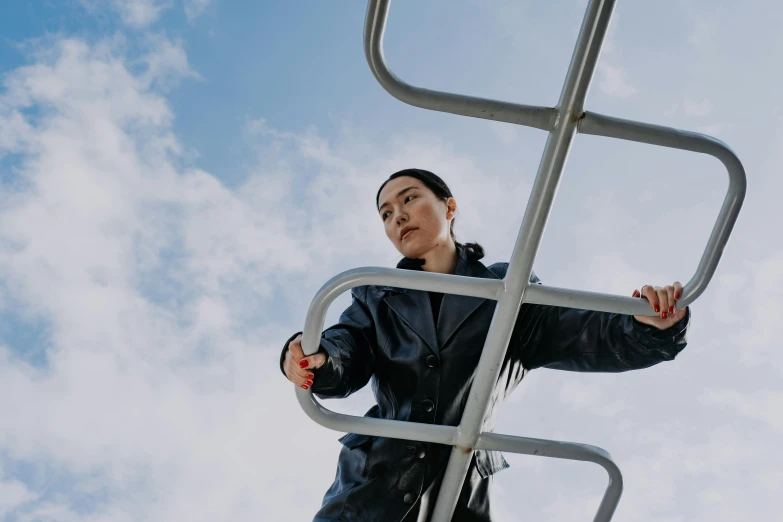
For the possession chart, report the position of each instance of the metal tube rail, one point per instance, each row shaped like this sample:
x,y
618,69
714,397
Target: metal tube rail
x,y
375,23
563,450
562,122
314,322
599,125
487,288
555,155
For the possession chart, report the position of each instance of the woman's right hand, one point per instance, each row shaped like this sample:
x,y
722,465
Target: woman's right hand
x,y
297,367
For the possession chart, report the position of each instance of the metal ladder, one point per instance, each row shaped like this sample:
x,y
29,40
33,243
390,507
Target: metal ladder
x,y
562,123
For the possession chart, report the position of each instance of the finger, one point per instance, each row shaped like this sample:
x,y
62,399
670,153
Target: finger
x,y
313,361
296,374
295,347
652,297
306,379
300,378
294,366
292,369
670,297
635,293
663,301
677,289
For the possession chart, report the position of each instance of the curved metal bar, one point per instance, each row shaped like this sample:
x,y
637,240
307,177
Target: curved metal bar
x,y
314,323
599,125
563,450
531,116
376,427
569,298
371,275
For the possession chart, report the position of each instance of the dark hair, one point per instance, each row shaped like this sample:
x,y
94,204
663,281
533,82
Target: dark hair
x,y
474,251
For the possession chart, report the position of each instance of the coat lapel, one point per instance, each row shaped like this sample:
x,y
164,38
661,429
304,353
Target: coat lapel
x,y
413,306
455,309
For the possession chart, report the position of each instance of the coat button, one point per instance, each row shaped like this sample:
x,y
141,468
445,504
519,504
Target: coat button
x,y
427,405
432,361
408,498
421,453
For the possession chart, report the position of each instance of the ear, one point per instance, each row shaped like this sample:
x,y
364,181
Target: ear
x,y
451,205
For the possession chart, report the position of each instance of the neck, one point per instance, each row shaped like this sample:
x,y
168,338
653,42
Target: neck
x,y
441,259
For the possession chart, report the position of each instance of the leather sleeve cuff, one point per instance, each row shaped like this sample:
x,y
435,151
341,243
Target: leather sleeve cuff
x,y
675,331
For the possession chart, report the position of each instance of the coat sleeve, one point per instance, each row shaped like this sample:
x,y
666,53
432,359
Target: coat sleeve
x,y
350,349
588,341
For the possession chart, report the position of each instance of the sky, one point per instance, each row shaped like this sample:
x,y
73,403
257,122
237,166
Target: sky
x,y
178,178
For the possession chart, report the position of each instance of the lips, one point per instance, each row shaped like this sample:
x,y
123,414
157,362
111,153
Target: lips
x,y
406,231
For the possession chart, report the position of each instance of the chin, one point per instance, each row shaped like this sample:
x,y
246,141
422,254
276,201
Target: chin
x,y
416,247
412,252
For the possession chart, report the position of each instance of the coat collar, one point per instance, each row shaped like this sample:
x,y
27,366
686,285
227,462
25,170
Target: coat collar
x,y
413,306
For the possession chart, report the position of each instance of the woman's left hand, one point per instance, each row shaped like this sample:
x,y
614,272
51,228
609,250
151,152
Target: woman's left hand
x,y
662,300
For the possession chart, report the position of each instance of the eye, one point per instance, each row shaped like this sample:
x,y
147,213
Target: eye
x,y
385,215
409,196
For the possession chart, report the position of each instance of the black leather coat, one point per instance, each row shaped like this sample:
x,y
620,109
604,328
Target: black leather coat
x,y
422,373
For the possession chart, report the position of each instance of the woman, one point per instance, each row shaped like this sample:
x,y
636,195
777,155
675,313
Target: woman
x,y
423,364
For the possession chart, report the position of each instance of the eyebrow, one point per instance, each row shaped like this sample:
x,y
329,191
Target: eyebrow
x,y
400,193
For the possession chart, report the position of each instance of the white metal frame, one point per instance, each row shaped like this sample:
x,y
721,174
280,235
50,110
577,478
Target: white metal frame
x,y
562,123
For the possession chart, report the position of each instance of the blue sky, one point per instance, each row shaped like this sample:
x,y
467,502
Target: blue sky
x,y
179,177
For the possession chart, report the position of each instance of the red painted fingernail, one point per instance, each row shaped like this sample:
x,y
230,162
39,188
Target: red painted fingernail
x,y
663,315
304,364
309,383
304,387
677,295
671,309
657,309
310,376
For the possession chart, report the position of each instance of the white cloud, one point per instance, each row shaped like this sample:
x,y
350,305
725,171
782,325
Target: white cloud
x,y
765,406
706,25
700,108
135,13
194,8
158,288
760,286
505,133
141,14
613,81
145,369
166,63
13,494
715,129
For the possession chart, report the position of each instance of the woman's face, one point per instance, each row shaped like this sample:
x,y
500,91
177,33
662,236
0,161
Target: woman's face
x,y
415,220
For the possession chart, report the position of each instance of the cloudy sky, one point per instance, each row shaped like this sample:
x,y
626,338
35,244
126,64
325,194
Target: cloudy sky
x,y
179,177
